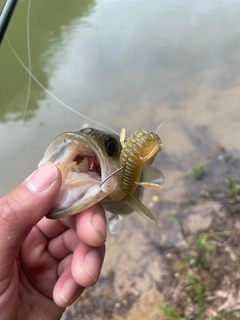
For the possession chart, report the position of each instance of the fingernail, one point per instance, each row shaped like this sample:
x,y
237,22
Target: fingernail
x,y
41,179
91,260
66,289
99,223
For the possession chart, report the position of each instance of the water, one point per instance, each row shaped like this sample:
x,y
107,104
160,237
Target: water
x,y
123,63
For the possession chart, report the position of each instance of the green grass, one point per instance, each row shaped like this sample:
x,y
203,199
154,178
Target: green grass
x,y
196,291
198,171
229,159
170,313
193,288
233,188
200,253
192,266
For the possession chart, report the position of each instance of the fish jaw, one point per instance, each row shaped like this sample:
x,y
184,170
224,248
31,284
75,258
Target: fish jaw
x,y
85,166
93,195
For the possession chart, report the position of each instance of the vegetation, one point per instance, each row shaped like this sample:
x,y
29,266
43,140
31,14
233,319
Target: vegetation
x,y
198,171
172,315
199,255
233,188
192,301
206,259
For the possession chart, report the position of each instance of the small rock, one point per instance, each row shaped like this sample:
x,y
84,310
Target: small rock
x,y
124,302
201,216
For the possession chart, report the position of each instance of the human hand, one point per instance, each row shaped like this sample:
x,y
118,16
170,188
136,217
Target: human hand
x,y
45,264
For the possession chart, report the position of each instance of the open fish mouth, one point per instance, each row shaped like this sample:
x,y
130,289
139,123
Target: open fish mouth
x,y
86,158
81,171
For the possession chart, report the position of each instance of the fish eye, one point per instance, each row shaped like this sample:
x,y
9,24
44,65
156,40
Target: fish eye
x,y
111,145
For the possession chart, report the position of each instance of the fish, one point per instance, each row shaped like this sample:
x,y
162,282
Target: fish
x,y
96,166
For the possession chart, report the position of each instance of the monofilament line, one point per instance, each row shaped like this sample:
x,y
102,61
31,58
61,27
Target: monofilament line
x,y
176,114
51,94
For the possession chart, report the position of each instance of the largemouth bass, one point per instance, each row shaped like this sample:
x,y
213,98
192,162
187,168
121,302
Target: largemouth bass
x,y
102,167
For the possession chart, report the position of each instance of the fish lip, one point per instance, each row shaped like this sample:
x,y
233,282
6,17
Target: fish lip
x,y
107,166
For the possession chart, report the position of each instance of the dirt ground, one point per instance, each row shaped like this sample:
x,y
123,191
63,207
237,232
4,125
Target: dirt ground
x,y
146,307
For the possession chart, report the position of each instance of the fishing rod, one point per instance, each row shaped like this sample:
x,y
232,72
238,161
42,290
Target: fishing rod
x,y
5,16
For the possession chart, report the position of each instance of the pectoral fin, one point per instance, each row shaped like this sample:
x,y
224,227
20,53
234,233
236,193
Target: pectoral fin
x,y
140,208
152,174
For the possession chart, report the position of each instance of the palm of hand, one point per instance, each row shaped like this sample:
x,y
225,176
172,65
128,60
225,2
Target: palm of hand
x,y
56,261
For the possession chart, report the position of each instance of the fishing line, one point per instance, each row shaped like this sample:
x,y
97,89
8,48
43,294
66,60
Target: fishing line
x,y
176,114
51,94
31,76
29,61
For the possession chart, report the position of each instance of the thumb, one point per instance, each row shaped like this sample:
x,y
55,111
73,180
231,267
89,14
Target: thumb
x,y
21,209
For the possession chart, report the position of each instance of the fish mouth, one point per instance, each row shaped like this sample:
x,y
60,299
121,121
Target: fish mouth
x,y
81,171
84,165
87,163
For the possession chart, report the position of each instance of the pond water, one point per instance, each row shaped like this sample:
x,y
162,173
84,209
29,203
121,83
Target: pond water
x,y
124,63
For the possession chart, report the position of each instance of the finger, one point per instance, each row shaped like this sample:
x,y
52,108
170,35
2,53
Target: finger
x,y
64,244
51,228
25,206
86,264
91,226
66,290
39,265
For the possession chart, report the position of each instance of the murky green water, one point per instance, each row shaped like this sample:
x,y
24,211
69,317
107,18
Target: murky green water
x,y
123,63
